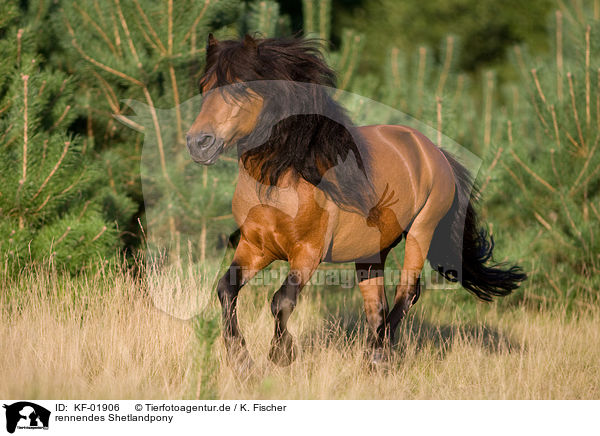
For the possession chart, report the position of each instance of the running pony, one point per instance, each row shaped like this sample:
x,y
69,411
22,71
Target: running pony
x,y
314,188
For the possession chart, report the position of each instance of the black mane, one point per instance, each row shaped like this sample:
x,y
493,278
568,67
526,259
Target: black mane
x,y
301,127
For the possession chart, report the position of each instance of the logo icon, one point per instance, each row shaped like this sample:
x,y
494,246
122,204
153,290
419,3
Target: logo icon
x,y
26,415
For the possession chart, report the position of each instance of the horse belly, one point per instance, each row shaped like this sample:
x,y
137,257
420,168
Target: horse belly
x,y
354,239
349,245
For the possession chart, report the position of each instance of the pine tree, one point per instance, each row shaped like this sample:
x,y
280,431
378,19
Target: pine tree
x,y
55,203
153,53
551,162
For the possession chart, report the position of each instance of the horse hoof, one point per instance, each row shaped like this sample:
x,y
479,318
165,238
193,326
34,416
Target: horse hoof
x,y
283,351
242,366
244,369
240,361
378,358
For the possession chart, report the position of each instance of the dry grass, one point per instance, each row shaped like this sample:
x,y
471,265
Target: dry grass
x,y
94,338
103,338
444,353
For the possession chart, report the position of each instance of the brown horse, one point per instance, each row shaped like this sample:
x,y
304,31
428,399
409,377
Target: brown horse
x,y
314,188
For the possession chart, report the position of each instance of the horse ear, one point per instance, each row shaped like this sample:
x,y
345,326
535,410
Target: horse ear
x,y
211,41
250,43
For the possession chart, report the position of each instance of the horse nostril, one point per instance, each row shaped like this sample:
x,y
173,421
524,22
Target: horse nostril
x,y
205,140
201,141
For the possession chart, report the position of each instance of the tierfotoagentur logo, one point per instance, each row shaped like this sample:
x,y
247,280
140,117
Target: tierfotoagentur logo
x,y
25,415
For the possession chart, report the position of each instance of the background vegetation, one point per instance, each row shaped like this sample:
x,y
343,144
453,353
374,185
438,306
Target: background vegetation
x,y
516,83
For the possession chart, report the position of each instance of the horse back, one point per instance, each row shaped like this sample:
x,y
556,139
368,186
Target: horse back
x,y
406,170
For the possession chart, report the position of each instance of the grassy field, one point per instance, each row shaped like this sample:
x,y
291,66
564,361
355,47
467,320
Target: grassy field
x,y
102,336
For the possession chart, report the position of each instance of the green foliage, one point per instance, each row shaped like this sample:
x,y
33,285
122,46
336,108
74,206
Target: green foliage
x,y
487,27
264,19
434,92
51,206
551,155
317,18
207,327
126,53
141,50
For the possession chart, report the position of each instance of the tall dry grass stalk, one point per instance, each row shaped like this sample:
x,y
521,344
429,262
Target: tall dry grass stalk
x,y
101,337
94,337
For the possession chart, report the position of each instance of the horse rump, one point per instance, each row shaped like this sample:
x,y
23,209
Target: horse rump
x,y
461,250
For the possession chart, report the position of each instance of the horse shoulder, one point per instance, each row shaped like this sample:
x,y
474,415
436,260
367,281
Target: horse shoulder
x,y
293,216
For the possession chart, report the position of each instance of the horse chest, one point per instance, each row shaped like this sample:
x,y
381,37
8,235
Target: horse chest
x,y
251,196
279,219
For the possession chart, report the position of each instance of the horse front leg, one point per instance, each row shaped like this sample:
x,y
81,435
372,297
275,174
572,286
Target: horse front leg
x,y
302,265
247,261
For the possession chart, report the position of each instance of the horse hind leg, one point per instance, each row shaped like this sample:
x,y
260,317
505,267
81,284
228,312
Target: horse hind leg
x,y
408,290
370,275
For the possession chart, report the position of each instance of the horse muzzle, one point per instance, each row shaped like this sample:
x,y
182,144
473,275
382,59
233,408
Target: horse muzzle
x,y
205,148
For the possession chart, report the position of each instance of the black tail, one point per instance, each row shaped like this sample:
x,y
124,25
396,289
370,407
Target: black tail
x,y
460,249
